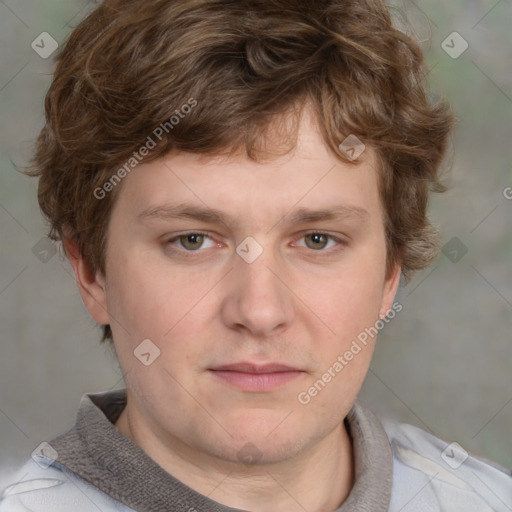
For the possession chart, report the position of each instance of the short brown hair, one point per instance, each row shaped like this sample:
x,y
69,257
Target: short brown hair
x,y
130,64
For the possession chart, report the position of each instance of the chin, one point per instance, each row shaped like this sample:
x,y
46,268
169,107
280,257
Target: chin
x,y
271,440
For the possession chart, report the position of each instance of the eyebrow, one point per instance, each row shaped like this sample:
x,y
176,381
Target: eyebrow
x,y
213,216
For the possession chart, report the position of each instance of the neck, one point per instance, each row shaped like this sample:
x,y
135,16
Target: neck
x,y
318,479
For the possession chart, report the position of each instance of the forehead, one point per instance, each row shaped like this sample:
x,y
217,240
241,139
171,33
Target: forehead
x,y
310,182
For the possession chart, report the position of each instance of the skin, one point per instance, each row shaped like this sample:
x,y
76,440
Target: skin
x,y
301,303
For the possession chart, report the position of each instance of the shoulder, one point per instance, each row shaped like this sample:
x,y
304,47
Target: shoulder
x,y
45,486
432,475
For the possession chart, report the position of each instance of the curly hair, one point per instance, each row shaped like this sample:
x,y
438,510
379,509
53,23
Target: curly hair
x,y
129,65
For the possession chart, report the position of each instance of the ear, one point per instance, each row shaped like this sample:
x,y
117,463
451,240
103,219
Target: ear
x,y
389,291
90,285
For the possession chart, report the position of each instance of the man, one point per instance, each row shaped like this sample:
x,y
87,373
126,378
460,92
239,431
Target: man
x,y
238,186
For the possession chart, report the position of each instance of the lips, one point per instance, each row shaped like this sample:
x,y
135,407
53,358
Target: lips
x,y
256,378
255,368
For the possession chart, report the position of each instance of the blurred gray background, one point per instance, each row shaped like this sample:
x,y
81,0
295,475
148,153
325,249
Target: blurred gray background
x,y
444,363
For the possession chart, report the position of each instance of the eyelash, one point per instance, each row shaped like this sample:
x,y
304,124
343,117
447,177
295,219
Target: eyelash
x,y
190,254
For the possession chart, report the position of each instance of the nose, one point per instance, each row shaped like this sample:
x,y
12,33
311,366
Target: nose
x,y
258,301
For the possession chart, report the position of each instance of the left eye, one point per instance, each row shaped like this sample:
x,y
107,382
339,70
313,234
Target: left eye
x,y
319,241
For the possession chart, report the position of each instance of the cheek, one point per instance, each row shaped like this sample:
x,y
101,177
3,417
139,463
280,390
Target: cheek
x,y
149,300
350,308
350,301
146,297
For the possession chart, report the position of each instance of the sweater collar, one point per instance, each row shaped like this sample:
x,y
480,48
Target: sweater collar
x,y
96,451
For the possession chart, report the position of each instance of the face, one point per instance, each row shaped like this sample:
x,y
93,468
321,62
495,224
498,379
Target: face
x,y
252,282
